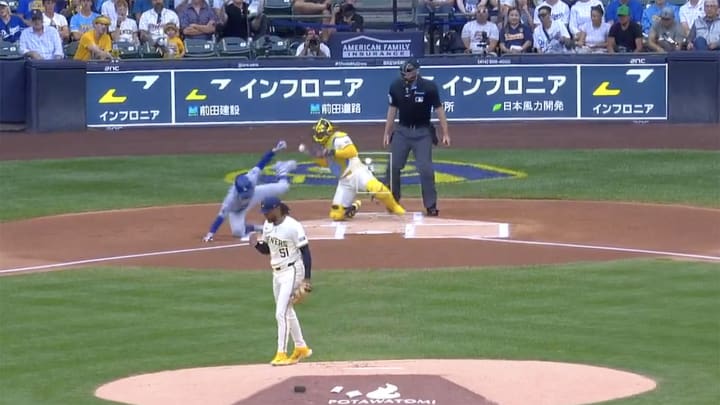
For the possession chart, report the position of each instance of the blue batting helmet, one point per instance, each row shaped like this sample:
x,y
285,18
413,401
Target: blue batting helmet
x,y
243,185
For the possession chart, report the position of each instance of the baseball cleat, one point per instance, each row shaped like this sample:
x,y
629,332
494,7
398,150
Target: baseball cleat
x,y
398,210
300,353
281,359
353,209
284,167
432,212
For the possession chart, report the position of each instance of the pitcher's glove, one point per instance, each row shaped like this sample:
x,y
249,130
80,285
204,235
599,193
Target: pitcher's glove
x,y
302,292
280,146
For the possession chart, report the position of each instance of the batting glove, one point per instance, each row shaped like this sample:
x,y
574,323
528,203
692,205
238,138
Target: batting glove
x,y
280,146
208,237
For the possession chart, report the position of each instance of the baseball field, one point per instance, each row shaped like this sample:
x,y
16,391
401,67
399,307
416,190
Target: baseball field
x,y
612,264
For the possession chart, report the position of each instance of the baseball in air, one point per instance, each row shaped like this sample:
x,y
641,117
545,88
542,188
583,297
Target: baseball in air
x,y
301,147
368,161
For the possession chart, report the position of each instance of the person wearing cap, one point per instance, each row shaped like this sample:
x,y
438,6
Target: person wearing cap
x,y
174,47
84,20
624,35
56,20
11,26
635,10
705,33
313,46
40,42
666,35
559,11
412,99
284,240
551,36
95,44
651,14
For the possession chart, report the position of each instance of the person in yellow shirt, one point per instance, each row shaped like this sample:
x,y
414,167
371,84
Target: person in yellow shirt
x,y
174,47
340,155
96,43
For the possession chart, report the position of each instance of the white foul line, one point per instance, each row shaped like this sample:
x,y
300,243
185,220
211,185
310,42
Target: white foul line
x,y
595,247
107,259
480,238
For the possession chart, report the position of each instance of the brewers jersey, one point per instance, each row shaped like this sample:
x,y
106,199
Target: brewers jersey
x,y
284,241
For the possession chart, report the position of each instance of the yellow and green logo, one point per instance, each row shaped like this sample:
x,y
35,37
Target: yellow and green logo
x,y
446,171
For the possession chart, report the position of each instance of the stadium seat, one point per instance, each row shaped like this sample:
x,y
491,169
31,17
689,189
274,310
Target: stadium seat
x,y
280,17
148,51
127,50
378,14
199,48
271,45
70,49
9,50
234,46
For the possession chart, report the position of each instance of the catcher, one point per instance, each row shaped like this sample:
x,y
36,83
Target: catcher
x,y
338,153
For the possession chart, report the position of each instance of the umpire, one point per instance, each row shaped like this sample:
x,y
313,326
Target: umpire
x,y
414,98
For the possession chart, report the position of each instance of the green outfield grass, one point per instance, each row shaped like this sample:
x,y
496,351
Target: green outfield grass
x,y
64,333
46,187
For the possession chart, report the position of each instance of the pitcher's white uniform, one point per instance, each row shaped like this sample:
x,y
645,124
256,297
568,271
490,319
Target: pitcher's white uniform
x,y
285,241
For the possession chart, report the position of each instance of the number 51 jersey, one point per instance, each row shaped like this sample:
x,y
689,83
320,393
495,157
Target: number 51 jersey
x,y
284,241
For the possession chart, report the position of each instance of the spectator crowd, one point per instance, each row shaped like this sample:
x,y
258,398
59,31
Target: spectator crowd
x,y
43,29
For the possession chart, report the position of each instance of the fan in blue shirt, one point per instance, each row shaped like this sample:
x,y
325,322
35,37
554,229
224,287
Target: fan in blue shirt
x,y
10,25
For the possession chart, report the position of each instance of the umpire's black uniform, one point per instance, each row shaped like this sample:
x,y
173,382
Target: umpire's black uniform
x,y
414,101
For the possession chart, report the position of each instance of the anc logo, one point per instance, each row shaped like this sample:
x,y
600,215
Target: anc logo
x,y
445,172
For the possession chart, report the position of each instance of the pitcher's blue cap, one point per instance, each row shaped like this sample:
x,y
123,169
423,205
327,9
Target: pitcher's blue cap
x,y
269,203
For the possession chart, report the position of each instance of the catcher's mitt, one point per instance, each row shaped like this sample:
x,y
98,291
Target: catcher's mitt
x,y
301,292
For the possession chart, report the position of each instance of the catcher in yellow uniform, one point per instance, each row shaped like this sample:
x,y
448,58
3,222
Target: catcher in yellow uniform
x,y
340,155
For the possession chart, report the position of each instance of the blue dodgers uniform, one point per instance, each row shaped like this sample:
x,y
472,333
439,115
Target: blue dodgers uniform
x,y
245,194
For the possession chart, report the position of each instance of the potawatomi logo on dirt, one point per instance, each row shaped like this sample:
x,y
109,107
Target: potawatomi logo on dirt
x,y
385,394
446,171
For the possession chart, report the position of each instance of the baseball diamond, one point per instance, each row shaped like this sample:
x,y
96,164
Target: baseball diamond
x,y
461,332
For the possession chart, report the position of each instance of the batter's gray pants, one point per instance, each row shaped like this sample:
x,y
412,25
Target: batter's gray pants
x,y
419,141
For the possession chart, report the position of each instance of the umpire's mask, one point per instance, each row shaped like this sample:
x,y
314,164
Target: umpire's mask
x,y
409,70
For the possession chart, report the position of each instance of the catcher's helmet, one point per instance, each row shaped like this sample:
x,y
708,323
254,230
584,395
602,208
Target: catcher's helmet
x,y
322,130
244,186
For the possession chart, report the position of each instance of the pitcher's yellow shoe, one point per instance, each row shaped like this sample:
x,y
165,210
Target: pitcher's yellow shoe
x,y
281,359
300,353
398,210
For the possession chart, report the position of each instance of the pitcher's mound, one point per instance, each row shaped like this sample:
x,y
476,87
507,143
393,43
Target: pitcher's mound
x,y
431,382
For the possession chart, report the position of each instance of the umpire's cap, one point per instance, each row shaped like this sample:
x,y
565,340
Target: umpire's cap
x,y
410,65
269,203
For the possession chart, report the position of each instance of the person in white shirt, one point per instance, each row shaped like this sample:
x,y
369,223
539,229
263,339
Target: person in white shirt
x,y
39,41
480,35
689,12
109,10
560,11
593,34
551,35
312,46
152,22
284,239
55,20
580,14
124,29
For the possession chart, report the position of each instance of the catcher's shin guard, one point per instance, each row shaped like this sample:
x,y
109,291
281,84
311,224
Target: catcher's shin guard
x,y
383,194
337,212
